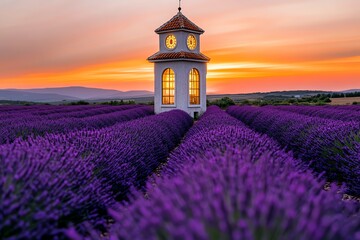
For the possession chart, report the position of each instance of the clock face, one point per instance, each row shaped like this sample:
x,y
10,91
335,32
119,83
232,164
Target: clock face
x,y
170,42
191,42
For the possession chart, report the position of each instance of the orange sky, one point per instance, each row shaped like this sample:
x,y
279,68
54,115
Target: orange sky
x,y
258,45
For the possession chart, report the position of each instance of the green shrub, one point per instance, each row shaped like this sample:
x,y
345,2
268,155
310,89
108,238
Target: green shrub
x,y
222,103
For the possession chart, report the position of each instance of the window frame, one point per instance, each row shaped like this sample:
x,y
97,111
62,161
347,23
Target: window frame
x,y
194,90
166,91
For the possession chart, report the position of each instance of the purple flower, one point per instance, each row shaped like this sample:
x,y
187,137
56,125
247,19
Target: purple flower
x,y
227,182
66,179
330,146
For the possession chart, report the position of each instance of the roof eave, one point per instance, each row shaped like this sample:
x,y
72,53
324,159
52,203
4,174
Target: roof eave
x,y
179,29
178,59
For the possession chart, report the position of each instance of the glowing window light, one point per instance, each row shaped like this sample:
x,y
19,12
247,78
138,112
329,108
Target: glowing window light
x,y
194,87
168,87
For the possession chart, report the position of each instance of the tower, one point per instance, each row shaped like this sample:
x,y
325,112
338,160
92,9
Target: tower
x,y
180,68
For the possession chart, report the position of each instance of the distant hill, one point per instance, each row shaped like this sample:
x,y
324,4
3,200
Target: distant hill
x,y
68,94
56,95
351,91
16,95
267,95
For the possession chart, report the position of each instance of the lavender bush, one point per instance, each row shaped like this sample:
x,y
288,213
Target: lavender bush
x,y
126,154
343,114
238,185
349,108
226,195
42,110
82,113
47,188
212,132
328,145
24,126
59,180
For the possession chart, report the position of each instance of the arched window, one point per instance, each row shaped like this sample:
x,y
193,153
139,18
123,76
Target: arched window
x,y
168,87
194,87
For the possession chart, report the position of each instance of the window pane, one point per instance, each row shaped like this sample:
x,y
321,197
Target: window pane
x,y
194,87
168,87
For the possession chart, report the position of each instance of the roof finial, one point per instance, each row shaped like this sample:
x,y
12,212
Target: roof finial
x,y
179,6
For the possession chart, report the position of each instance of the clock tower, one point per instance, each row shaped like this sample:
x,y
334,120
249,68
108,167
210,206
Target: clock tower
x,y
180,67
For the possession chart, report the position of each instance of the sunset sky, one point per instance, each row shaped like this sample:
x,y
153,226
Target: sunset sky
x,y
257,45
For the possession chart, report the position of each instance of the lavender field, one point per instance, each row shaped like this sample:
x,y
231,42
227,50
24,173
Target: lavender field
x,y
122,172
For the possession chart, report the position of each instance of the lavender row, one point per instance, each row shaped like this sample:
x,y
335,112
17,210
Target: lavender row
x,y
126,154
347,107
227,182
322,112
33,116
88,112
45,187
213,130
11,108
42,110
67,109
63,112
25,127
329,146
92,168
224,195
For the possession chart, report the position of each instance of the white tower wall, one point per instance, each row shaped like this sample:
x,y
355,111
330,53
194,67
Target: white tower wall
x,y
182,98
181,59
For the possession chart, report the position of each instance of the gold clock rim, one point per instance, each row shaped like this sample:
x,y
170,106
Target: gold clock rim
x,y
166,39
187,42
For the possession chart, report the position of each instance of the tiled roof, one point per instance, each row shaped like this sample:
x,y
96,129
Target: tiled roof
x,y
179,55
178,22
